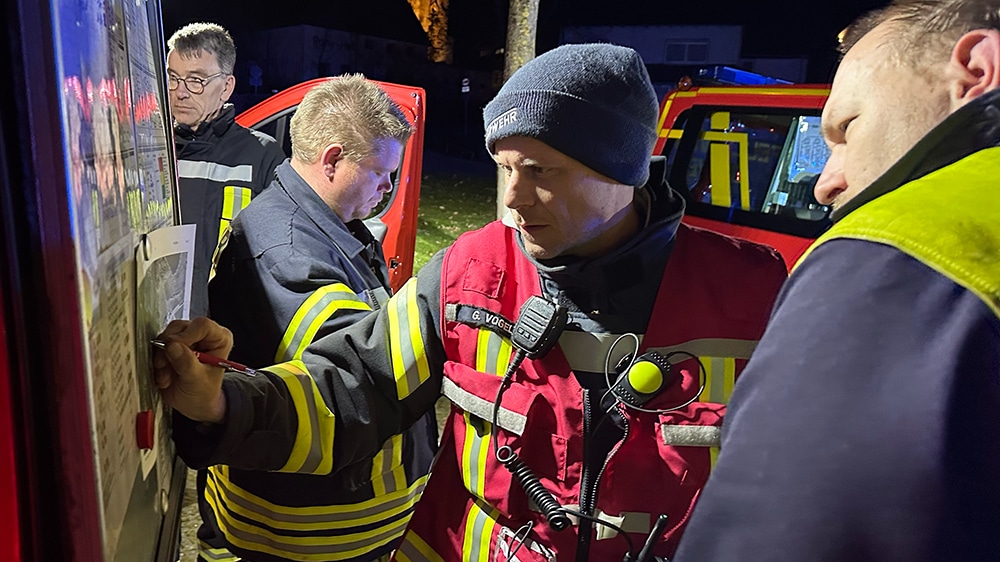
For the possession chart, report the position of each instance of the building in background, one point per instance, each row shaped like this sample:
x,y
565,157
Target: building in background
x,y
674,51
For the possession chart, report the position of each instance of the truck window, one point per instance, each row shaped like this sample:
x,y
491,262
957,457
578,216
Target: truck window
x,y
750,166
802,160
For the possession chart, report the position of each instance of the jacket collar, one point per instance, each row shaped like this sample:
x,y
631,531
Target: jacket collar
x,y
215,127
352,238
969,129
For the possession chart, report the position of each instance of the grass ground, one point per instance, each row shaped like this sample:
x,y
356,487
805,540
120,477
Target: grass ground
x,y
449,206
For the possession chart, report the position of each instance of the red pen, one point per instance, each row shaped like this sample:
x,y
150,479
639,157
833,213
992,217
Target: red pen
x,y
209,359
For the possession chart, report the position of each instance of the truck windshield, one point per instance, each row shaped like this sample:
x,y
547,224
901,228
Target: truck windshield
x,y
750,167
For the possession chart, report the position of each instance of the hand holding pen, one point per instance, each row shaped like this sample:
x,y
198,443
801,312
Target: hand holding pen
x,y
191,381
209,359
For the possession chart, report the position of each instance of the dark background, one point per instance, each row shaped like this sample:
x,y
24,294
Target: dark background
x,y
771,27
775,28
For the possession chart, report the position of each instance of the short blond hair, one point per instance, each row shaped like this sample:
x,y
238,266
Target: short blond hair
x,y
349,110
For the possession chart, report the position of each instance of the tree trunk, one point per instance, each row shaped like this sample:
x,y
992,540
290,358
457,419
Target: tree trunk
x,y
522,26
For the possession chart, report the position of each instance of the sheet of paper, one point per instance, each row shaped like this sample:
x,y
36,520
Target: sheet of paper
x,y
163,293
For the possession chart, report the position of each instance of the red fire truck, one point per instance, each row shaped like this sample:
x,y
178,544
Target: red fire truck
x,y
746,158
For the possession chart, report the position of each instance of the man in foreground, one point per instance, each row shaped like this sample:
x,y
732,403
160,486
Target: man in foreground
x,y
867,425
595,258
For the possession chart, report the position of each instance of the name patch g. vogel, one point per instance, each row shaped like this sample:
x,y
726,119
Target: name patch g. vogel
x,y
482,318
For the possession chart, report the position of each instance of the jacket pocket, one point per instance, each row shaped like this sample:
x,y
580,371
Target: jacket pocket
x,y
537,447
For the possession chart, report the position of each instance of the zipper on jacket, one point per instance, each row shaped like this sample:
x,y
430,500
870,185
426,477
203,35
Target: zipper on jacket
x,y
588,488
611,453
583,530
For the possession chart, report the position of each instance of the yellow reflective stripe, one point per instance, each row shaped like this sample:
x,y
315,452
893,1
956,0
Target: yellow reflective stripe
x,y
325,547
312,452
388,474
720,120
474,452
757,90
720,376
217,253
660,131
493,352
728,379
675,133
234,200
743,151
719,172
713,457
416,549
479,524
406,344
744,148
311,518
215,554
322,304
482,344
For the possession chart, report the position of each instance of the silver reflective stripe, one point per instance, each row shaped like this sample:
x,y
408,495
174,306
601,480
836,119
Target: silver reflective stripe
x,y
216,554
507,419
213,171
691,435
342,516
629,521
587,352
415,549
710,347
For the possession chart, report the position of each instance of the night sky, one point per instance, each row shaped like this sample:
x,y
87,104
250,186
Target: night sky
x,y
771,27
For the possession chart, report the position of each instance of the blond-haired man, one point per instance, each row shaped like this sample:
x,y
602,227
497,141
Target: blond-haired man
x,y
299,264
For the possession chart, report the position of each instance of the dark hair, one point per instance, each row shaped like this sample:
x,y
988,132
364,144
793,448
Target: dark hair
x,y
209,37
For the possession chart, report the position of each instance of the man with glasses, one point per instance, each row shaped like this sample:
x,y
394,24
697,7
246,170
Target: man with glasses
x,y
221,164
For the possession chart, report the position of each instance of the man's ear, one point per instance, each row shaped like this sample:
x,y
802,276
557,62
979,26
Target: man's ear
x,y
332,154
974,66
229,88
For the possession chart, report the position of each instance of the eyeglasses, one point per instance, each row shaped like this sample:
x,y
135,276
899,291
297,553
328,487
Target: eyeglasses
x,y
193,84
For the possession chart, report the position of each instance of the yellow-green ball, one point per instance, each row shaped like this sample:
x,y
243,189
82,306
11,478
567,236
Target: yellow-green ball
x,y
645,377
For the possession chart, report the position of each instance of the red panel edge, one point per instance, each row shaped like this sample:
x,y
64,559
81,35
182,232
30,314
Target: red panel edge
x,y
10,528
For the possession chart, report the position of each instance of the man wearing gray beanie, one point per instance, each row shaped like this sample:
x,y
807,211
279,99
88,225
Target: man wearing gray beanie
x,y
587,343
593,103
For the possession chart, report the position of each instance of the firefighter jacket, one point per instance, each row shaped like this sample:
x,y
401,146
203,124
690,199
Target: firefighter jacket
x,y
291,272
711,294
659,460
883,351
220,166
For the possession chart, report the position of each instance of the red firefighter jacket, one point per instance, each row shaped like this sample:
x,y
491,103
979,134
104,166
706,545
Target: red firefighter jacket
x,y
710,309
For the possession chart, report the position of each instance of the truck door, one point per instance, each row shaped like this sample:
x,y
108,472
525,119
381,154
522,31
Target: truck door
x,y
394,222
747,164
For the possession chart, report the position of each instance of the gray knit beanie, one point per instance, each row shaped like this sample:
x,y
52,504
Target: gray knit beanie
x,y
592,102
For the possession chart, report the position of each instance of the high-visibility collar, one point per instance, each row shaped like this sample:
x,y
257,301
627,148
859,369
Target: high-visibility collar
x,y
970,128
948,219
